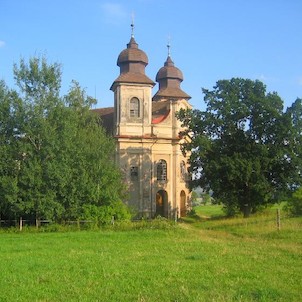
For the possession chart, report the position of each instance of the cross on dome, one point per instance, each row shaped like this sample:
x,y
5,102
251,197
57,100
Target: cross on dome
x,y
169,46
132,25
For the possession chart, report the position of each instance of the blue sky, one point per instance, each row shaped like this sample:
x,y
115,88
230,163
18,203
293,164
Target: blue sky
x,y
210,41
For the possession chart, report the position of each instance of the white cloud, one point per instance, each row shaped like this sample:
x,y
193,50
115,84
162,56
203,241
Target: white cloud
x,y
264,78
2,43
114,13
300,81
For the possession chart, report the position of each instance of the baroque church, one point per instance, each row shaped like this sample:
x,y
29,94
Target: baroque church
x,y
147,135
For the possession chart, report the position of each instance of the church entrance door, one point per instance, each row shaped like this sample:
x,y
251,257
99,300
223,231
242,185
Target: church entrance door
x,y
183,207
161,203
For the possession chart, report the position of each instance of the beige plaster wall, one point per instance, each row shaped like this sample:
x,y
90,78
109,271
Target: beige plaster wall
x,y
141,144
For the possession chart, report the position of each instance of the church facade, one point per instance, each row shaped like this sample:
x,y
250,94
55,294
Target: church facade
x,y
147,135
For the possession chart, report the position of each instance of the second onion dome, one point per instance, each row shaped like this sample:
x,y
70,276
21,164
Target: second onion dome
x,y
169,78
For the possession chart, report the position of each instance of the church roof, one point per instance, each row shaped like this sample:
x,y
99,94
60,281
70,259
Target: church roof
x,y
133,77
132,54
171,92
160,110
106,115
169,71
132,62
169,78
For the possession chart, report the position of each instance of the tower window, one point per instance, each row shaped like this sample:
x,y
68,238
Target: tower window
x,y
134,107
161,170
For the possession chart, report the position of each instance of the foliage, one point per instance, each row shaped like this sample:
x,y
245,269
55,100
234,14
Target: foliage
x,y
206,198
194,196
243,146
57,159
105,214
294,205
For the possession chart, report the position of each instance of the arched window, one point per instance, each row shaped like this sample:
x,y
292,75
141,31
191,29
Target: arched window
x,y
134,107
183,170
161,170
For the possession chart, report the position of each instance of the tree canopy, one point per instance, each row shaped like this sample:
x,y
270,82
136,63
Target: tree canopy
x,y
244,146
56,159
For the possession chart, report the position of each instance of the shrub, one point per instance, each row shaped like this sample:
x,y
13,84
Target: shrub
x,y
294,205
103,214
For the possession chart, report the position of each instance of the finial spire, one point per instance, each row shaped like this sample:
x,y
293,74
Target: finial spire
x,y
132,25
169,46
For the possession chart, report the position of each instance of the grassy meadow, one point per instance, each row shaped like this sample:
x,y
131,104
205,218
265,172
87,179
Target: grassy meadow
x,y
203,258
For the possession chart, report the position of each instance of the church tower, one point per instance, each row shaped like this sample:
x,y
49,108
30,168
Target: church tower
x,y
132,93
174,195
132,127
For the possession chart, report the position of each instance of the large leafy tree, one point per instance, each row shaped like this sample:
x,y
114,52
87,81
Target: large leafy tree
x,y
244,147
294,114
57,160
9,164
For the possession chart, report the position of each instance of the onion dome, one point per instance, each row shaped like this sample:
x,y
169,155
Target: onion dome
x,y
169,71
169,78
132,62
132,54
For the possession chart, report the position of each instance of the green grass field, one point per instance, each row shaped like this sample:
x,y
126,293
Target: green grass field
x,y
199,259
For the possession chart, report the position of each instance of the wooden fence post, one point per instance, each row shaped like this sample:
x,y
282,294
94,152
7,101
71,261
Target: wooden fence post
x,y
20,224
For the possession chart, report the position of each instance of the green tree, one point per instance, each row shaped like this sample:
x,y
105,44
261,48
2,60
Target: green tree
x,y
194,197
294,115
242,146
9,164
294,204
63,158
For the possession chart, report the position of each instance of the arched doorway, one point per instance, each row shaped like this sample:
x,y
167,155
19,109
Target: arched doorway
x,y
161,203
183,206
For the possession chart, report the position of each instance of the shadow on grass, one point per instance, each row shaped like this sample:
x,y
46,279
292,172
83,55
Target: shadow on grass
x,y
198,218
